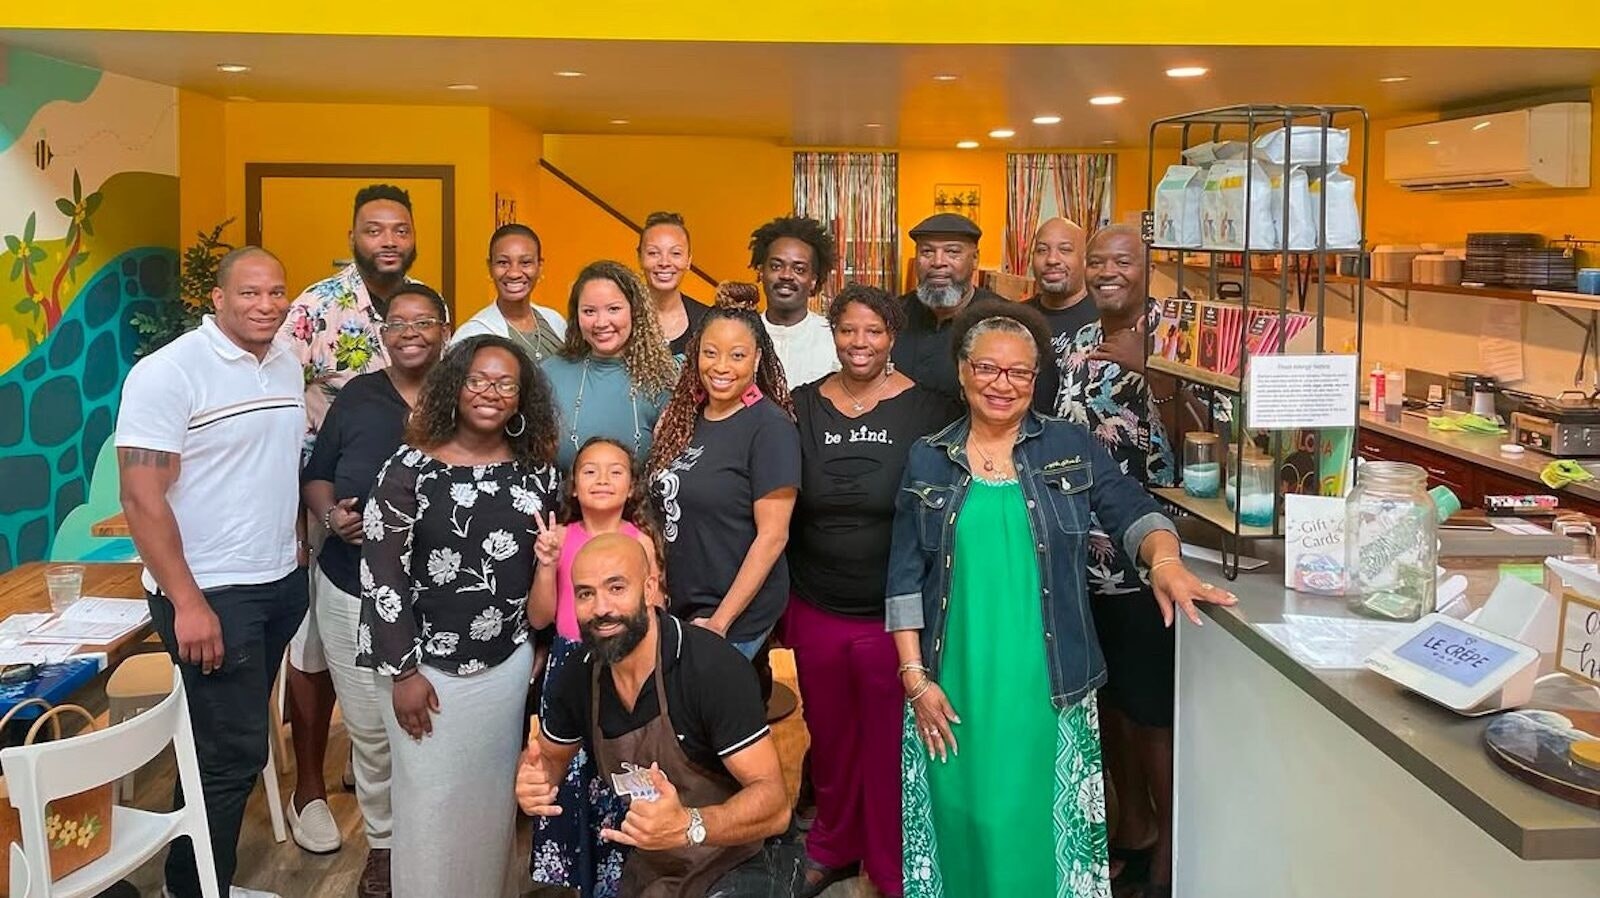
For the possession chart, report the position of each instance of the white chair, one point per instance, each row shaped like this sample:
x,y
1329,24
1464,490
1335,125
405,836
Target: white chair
x,y
43,772
141,681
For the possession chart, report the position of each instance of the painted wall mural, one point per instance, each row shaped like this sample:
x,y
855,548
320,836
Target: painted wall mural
x,y
89,222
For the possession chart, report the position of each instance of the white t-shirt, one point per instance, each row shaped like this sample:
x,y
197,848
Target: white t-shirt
x,y
236,424
493,321
805,349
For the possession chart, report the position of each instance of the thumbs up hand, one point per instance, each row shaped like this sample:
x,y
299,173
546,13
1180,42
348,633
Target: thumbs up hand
x,y
536,791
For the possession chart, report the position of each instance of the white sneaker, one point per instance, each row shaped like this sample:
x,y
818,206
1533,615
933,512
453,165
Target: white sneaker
x,y
313,828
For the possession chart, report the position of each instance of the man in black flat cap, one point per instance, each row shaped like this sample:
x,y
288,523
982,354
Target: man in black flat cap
x,y
947,261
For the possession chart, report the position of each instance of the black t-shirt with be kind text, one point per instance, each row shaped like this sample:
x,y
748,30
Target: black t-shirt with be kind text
x,y
707,496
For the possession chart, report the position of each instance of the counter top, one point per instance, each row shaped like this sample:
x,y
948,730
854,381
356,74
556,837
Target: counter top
x,y
1443,750
1478,448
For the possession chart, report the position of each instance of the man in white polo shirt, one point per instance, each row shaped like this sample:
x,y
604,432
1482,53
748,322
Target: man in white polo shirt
x,y
208,445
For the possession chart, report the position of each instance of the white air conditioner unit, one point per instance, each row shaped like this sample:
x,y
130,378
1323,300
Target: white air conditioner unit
x,y
1541,146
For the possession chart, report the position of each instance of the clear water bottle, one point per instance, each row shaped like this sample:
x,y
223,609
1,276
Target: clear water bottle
x,y
1391,540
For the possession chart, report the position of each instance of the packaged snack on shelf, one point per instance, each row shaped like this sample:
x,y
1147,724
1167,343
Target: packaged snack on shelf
x,y
1299,338
1230,325
1209,336
1223,206
1188,328
1166,339
1302,145
1344,219
1178,197
1302,223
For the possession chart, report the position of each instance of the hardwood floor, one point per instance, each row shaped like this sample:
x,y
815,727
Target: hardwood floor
x,y
293,873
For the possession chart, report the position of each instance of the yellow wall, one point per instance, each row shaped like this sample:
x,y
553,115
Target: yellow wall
x,y
202,185
1443,23
728,187
576,232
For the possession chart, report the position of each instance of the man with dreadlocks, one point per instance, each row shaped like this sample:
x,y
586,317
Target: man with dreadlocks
x,y
725,467
793,257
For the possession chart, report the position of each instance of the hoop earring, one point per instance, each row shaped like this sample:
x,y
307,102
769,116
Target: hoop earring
x,y
522,426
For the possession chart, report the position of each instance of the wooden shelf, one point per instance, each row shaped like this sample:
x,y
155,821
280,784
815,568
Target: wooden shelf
x,y
1508,293
1213,511
1224,382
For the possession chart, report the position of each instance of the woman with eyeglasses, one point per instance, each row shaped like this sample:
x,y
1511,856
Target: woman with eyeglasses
x,y
987,600
447,564
362,429
515,259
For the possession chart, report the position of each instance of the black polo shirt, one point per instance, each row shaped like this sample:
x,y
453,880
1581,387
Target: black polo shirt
x,y
711,689
922,348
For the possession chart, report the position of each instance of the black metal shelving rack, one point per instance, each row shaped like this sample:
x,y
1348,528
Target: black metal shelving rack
x,y
1306,272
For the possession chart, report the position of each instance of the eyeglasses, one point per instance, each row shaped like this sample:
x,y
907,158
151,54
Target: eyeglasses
x,y
421,326
986,372
477,385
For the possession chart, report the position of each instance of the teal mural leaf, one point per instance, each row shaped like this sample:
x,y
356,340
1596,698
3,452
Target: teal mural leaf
x,y
66,207
31,82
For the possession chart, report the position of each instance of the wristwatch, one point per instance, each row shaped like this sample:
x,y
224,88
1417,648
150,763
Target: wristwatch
x,y
697,827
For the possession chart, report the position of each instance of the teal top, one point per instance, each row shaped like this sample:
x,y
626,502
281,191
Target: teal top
x,y
595,398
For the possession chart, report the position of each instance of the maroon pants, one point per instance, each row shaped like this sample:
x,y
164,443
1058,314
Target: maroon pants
x,y
853,709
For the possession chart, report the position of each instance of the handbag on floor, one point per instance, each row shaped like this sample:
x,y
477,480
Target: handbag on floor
x,y
78,827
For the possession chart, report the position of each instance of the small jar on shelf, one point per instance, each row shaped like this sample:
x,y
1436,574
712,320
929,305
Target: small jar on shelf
x,y
1258,476
1202,468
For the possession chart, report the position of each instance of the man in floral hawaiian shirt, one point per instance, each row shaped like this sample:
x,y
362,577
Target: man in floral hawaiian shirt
x,y
333,330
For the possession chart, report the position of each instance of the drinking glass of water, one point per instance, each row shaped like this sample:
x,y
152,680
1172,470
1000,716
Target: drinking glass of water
x,y
65,582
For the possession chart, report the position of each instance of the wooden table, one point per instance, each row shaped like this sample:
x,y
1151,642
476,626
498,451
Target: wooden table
x,y
22,591
116,525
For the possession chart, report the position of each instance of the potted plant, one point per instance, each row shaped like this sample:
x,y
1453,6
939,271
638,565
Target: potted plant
x,y
172,318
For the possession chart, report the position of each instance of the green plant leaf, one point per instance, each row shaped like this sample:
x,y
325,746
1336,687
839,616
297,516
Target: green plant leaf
x,y
16,268
27,229
23,306
88,229
13,244
80,258
77,188
91,203
66,207
37,254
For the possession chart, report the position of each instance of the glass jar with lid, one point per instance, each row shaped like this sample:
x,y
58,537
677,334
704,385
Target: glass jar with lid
x,y
1202,464
1391,541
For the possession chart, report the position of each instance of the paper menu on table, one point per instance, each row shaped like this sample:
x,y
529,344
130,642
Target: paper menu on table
x,y
1331,642
93,621
29,653
20,625
92,609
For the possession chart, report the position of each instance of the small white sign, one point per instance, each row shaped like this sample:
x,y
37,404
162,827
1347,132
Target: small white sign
x,y
1292,391
1578,652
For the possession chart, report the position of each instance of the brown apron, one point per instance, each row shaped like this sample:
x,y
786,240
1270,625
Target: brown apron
x,y
688,871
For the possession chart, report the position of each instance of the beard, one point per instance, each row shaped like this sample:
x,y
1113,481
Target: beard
x,y
946,297
611,649
1057,287
368,265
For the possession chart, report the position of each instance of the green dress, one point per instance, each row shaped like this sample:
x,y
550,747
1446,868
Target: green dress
x,y
1021,811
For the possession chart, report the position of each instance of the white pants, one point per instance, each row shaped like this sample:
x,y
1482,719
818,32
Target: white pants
x,y
337,614
455,805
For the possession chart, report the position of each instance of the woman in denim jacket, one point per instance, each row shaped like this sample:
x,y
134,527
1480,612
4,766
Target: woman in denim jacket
x,y
988,603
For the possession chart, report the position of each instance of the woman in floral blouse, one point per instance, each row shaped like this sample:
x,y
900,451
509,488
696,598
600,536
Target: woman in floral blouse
x,y
446,566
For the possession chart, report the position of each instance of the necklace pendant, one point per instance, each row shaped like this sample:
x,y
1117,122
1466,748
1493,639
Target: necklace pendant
x,y
857,406
988,466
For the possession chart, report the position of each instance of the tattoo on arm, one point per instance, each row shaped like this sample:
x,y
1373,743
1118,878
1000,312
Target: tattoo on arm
x,y
146,458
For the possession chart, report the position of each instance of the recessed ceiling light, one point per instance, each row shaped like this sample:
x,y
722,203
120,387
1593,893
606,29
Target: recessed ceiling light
x,y
967,145
461,86
1394,79
1108,142
1105,100
569,73
232,68
1481,125
1433,143
1047,120
1002,133
1187,71
945,76
241,99
619,121
872,125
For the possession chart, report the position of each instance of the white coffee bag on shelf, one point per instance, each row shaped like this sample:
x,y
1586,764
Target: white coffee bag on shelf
x,y
1302,225
1178,198
1203,154
1344,218
1223,207
1302,145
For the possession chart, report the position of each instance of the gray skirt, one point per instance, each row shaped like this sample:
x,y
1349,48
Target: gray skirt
x,y
454,791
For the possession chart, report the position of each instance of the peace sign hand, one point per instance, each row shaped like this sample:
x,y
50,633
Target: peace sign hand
x,y
547,545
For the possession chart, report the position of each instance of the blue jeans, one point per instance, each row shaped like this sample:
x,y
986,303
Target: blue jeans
x,y
749,648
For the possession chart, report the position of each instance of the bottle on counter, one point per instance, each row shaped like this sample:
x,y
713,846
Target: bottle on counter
x,y
1391,540
1376,381
1394,394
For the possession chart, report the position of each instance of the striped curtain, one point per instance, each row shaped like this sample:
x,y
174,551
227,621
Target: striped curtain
x,y
856,195
1075,186
1083,187
1025,176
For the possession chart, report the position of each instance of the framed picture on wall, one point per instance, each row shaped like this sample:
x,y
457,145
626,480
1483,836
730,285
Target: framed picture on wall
x,y
962,199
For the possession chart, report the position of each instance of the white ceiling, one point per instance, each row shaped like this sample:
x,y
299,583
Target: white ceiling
x,y
818,95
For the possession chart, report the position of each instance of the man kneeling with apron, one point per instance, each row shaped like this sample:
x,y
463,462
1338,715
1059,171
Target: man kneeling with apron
x,y
674,718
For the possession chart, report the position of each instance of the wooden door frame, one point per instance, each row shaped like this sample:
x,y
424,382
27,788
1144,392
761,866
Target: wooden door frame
x,y
256,172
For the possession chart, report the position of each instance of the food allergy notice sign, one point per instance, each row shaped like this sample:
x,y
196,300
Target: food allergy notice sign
x,y
1292,391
